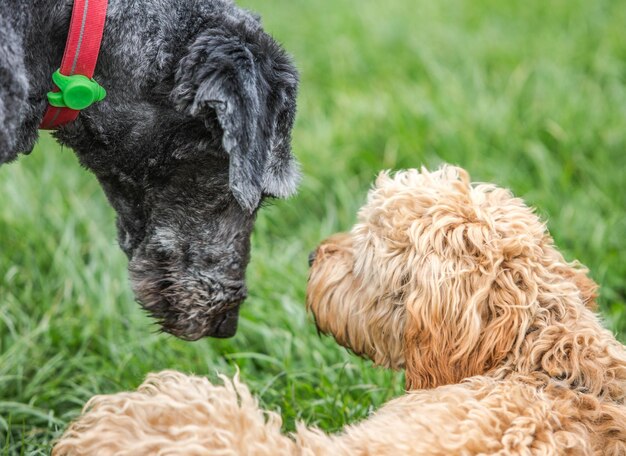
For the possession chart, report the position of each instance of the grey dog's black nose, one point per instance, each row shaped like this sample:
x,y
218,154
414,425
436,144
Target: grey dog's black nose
x,y
312,257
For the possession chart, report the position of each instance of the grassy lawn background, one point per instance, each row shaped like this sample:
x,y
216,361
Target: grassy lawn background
x,y
530,95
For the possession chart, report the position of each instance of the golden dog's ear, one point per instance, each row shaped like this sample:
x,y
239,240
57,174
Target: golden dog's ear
x,y
473,294
463,319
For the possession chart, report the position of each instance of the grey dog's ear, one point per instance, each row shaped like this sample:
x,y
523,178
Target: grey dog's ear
x,y
250,84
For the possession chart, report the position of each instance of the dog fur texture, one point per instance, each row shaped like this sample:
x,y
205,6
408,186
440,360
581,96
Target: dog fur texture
x,y
194,133
460,285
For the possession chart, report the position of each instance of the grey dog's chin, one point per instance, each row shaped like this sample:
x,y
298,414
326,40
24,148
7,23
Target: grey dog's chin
x,y
219,325
188,302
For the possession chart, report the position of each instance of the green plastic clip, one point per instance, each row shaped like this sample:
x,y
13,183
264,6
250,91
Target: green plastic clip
x,y
76,92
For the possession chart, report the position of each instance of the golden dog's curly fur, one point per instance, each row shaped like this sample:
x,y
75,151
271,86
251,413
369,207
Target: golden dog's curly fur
x,y
461,285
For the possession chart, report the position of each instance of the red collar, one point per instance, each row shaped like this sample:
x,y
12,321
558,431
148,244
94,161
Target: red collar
x,y
74,78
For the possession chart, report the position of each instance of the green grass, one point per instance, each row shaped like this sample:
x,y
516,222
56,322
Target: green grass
x,y
530,95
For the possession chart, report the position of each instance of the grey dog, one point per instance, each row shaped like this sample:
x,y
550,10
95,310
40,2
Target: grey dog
x,y
195,132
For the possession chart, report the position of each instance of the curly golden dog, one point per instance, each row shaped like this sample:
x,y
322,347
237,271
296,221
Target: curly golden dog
x,y
460,285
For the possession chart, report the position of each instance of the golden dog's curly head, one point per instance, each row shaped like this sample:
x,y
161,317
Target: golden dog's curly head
x,y
440,276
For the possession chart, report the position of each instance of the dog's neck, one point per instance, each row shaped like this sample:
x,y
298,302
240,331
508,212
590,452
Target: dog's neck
x,y
41,27
133,54
563,344
573,349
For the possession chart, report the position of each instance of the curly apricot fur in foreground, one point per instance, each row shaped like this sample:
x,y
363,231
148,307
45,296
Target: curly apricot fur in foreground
x,y
459,284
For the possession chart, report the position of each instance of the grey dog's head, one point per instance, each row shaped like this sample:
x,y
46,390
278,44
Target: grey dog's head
x,y
187,157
